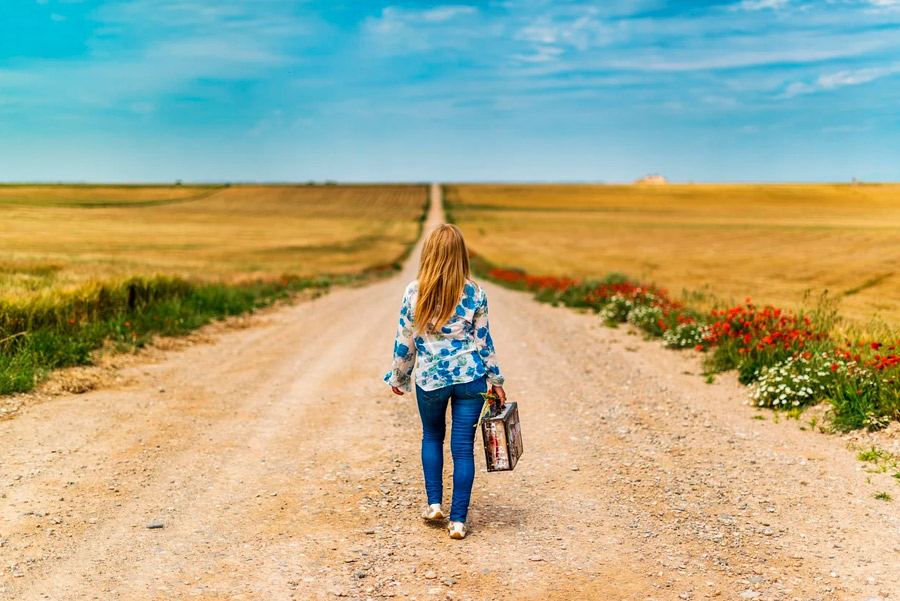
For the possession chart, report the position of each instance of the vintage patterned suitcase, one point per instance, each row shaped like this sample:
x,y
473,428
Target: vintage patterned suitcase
x,y
502,436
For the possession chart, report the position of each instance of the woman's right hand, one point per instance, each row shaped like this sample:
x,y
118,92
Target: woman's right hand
x,y
498,390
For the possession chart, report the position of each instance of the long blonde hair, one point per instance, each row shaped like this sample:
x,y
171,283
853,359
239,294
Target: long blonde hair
x,y
443,271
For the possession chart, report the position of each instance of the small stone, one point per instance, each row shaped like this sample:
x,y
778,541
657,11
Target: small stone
x,y
768,532
449,581
536,558
748,594
155,525
684,596
430,575
370,532
359,573
575,468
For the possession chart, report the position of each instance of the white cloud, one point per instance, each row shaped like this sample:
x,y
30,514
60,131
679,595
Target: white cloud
x,y
839,79
526,53
57,17
394,19
883,7
441,14
725,102
148,50
681,60
542,54
762,4
855,77
581,31
797,88
714,40
229,49
268,21
406,31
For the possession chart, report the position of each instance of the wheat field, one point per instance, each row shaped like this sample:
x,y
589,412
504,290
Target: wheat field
x,y
57,237
769,242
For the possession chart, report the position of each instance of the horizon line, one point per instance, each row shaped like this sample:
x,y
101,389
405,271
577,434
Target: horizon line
x,y
330,182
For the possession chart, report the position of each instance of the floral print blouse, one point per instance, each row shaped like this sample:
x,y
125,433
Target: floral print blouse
x,y
461,351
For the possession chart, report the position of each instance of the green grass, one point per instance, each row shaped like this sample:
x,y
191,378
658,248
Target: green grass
x,y
881,461
64,330
46,324
871,455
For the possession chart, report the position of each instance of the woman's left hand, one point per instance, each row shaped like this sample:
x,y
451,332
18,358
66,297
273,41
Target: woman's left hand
x,y
498,390
397,390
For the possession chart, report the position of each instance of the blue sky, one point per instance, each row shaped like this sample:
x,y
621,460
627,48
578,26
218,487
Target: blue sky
x,y
284,90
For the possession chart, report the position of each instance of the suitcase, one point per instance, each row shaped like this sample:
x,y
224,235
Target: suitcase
x,y
502,436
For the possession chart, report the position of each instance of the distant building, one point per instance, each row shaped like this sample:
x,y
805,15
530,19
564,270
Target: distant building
x,y
654,179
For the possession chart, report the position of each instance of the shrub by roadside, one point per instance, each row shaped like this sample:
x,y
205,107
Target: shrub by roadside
x,y
788,359
54,329
63,329
51,331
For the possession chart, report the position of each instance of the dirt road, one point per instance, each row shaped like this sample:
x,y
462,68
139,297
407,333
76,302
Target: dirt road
x,y
281,467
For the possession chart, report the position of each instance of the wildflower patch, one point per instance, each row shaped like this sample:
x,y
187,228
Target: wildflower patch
x,y
788,359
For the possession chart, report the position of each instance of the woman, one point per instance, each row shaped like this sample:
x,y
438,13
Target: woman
x,y
444,320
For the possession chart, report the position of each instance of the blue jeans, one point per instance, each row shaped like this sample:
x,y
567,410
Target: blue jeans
x,y
465,407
